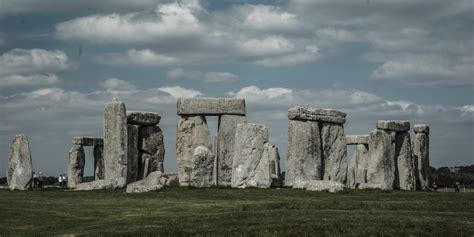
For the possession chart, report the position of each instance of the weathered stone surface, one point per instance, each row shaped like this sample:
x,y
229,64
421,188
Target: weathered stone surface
x,y
144,168
422,128
421,158
316,114
143,118
381,165
88,141
148,184
172,181
151,142
304,152
203,164
115,140
191,132
133,154
406,179
334,149
77,160
394,125
20,166
319,185
99,172
357,171
249,147
263,176
274,159
210,106
357,139
225,146
102,184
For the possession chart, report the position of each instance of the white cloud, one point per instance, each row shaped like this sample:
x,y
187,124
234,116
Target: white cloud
x,y
19,61
267,46
145,57
180,92
28,80
264,17
310,54
114,84
209,77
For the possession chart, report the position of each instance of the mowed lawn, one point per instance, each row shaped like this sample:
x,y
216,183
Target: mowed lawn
x,y
224,212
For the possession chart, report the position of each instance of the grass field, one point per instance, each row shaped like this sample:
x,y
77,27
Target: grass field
x,y
250,212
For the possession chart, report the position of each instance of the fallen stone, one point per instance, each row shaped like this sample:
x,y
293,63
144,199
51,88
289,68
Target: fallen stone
x,y
203,163
316,114
381,164
172,181
405,164
357,139
210,106
148,184
304,155
102,184
334,151
249,147
133,154
143,118
225,146
394,125
191,132
324,185
77,160
376,185
151,141
88,141
357,171
421,158
99,172
20,166
422,128
115,140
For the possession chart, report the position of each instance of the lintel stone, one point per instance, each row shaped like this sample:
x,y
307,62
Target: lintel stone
x,y
316,114
357,139
88,141
394,125
210,106
143,118
422,128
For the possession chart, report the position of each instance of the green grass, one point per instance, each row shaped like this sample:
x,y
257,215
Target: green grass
x,y
224,212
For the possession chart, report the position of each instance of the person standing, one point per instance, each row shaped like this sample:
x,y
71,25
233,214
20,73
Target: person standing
x,y
60,180
35,180
456,187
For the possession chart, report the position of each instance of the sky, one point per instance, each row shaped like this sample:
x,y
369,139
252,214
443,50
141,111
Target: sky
x,y
62,61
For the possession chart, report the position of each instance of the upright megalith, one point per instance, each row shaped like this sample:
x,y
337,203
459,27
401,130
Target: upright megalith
x,y
77,160
405,180
115,140
99,172
225,146
357,170
316,145
20,166
381,165
203,163
191,132
251,164
151,142
132,154
420,147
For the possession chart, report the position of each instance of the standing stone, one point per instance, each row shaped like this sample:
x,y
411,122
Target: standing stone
x,y
77,160
132,163
99,162
249,147
405,164
20,166
144,170
357,171
275,172
262,176
304,152
381,165
421,158
191,132
115,140
334,149
203,164
225,146
151,142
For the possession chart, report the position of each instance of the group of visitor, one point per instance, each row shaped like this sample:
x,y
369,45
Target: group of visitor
x,y
38,180
62,179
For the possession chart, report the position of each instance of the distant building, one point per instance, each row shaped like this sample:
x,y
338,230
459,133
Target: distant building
x,y
454,170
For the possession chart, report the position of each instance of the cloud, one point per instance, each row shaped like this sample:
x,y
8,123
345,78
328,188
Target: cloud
x,y
114,84
180,92
209,77
28,80
145,57
19,61
265,17
310,54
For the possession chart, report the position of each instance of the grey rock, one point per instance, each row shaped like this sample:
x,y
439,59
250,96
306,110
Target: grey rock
x,y
249,147
324,185
143,118
148,184
77,160
334,151
225,146
172,181
274,159
99,172
102,184
405,163
115,140
357,170
151,142
422,128
133,154
394,125
88,141
375,185
191,132
420,147
20,166
262,176
316,114
210,106
215,167
357,139
203,164
381,165
144,168
304,152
